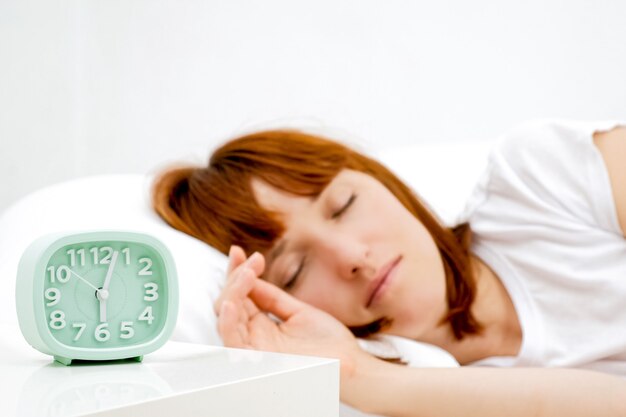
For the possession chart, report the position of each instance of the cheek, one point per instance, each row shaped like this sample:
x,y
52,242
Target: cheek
x,y
314,287
330,294
421,300
418,308
389,214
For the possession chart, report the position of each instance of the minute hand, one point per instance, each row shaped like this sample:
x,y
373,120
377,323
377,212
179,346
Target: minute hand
x,y
103,294
107,279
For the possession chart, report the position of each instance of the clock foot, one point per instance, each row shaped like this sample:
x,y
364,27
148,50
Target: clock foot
x,y
64,361
137,358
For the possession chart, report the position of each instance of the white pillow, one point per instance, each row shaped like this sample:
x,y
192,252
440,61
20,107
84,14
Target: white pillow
x,y
443,175
114,202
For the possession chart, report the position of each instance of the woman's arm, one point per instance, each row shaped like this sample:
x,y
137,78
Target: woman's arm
x,y
612,146
393,390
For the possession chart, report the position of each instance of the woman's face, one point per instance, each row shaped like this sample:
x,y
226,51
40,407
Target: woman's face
x,y
357,253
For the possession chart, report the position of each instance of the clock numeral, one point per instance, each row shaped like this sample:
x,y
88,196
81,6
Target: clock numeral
x,y
151,291
76,255
126,252
126,330
81,328
94,252
97,252
146,315
102,333
106,259
57,320
53,295
146,269
61,274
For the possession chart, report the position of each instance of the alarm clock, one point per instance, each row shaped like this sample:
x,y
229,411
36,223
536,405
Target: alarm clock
x,y
96,296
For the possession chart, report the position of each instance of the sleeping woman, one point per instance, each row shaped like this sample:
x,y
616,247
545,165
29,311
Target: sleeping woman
x,y
326,245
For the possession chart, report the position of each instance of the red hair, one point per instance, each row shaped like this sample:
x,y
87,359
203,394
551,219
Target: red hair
x,y
216,204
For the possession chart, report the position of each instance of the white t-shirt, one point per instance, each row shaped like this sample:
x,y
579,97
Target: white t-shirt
x,y
544,219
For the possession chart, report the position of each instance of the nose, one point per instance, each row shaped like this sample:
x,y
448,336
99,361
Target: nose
x,y
347,254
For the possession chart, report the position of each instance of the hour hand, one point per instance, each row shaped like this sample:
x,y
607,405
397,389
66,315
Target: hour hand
x,y
103,308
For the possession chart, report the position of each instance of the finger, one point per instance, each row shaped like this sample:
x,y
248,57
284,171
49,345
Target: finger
x,y
238,288
228,326
242,329
272,299
236,256
256,262
264,334
250,308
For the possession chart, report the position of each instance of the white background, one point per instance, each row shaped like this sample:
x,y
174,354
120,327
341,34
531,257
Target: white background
x,y
118,86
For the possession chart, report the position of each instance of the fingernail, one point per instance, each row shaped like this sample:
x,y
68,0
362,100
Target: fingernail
x,y
252,258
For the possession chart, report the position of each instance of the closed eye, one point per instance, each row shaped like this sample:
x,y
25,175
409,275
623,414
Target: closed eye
x,y
339,212
292,281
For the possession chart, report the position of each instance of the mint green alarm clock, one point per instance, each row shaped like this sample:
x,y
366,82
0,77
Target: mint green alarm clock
x,y
96,296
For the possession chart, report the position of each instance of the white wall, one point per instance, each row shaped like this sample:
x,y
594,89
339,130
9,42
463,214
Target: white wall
x,y
91,86
37,96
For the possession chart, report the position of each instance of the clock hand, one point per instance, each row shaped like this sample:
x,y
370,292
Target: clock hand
x,y
100,294
103,294
84,280
103,308
107,280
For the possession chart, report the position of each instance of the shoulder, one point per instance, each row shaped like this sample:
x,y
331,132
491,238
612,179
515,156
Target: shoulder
x,y
538,156
559,149
612,146
519,182
545,140
547,136
554,164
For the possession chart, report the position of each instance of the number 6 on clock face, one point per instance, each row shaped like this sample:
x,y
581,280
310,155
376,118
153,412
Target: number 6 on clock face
x,y
97,296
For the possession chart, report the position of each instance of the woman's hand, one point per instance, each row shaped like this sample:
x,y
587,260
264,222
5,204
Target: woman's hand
x,y
236,258
302,329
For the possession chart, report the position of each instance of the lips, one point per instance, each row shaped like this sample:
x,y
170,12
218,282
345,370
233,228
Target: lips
x,y
381,278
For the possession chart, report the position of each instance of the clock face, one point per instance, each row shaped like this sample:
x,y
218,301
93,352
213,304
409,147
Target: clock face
x,y
105,294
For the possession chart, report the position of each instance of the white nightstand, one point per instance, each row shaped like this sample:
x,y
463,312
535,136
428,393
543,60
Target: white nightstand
x,y
179,380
